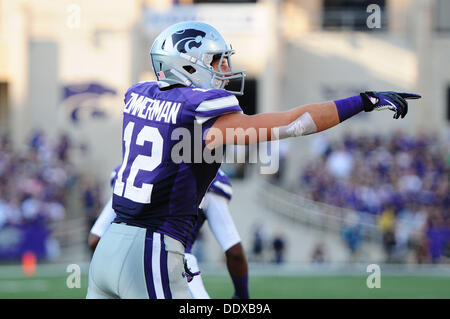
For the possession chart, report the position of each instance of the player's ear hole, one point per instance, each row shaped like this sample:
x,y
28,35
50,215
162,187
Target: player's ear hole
x,y
189,69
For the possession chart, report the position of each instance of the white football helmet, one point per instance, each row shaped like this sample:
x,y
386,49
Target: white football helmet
x,y
182,54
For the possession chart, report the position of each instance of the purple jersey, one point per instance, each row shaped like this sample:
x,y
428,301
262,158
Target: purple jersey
x,y
221,185
152,190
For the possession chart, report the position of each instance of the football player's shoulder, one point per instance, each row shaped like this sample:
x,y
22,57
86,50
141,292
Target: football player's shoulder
x,y
221,185
213,102
222,177
200,105
143,86
214,94
196,96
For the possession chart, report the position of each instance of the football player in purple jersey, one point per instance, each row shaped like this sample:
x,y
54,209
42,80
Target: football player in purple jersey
x,y
214,208
166,171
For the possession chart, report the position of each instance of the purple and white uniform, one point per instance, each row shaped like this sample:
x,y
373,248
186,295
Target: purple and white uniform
x,y
221,187
155,198
214,208
151,190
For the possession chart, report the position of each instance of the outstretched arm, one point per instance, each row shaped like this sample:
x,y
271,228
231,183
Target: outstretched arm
x,y
324,116
237,128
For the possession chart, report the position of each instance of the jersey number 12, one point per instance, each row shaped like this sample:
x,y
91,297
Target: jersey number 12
x,y
141,162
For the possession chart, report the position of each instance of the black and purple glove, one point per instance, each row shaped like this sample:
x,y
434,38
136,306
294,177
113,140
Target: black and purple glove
x,y
188,274
393,101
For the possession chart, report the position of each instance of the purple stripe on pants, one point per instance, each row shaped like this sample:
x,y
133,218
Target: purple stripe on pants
x,y
148,250
165,271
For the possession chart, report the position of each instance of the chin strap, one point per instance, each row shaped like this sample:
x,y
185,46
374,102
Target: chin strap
x,y
181,77
166,77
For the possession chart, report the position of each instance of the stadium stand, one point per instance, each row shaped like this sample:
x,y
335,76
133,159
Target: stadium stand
x,y
398,185
36,185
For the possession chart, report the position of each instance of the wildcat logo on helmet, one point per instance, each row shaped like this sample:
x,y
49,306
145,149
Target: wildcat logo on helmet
x,y
191,44
187,39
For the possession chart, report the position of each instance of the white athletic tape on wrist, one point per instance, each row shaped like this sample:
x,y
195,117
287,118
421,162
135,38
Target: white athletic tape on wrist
x,y
304,125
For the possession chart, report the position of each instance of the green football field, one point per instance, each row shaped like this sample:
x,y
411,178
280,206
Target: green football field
x,y
285,287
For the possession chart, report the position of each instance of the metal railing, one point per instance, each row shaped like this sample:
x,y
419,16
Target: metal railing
x,y
320,215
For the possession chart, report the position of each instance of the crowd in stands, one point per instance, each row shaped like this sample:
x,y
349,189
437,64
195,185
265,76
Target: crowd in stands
x,y
34,181
38,186
402,180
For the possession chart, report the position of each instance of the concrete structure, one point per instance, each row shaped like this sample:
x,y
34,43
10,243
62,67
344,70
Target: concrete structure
x,y
65,65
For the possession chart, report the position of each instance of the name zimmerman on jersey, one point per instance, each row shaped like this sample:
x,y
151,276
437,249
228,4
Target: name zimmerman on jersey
x,y
152,109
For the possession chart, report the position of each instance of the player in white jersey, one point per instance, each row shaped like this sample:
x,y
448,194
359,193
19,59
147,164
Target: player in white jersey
x,y
214,208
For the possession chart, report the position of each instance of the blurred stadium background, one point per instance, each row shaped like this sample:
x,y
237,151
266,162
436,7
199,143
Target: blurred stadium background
x,y
371,191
